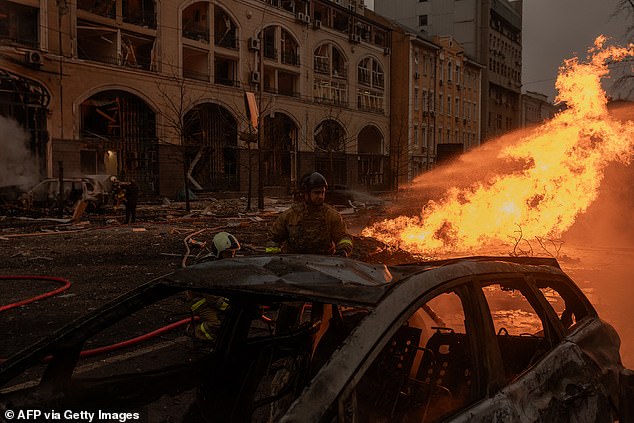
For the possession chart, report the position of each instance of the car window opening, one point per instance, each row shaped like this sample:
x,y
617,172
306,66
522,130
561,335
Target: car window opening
x,y
424,373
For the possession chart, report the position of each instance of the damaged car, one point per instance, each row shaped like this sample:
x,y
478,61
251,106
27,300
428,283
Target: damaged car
x,y
326,339
94,190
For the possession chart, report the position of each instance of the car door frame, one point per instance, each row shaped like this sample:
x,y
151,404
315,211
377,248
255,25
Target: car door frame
x,y
336,381
500,403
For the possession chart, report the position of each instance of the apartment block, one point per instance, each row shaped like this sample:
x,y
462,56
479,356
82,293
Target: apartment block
x,y
490,32
224,91
435,102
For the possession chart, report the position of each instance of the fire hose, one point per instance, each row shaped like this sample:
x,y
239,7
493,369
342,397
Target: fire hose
x,y
65,285
107,348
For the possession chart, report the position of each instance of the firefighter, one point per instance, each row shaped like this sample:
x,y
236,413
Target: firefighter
x,y
309,226
211,308
118,193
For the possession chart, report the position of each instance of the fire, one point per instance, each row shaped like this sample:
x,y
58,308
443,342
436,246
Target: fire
x,y
562,166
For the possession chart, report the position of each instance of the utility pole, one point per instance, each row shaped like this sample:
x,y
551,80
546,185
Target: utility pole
x,y
260,126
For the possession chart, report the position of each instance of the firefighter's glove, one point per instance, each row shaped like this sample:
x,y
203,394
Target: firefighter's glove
x,y
341,253
273,250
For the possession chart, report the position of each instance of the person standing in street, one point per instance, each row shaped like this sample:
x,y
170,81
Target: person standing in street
x,y
131,198
310,226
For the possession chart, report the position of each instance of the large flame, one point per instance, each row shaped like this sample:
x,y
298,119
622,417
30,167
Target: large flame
x,y
562,166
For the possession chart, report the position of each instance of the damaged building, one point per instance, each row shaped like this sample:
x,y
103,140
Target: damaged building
x,y
156,90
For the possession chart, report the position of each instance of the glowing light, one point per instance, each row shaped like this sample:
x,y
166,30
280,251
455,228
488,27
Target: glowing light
x,y
562,165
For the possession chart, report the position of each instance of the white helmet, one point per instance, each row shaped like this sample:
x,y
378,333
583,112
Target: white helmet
x,y
224,241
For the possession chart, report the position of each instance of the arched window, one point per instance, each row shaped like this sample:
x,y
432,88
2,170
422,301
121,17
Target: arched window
x,y
211,138
124,126
201,60
372,162
370,92
330,68
330,146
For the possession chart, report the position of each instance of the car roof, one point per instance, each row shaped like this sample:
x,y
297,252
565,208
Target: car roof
x,y
319,278
335,279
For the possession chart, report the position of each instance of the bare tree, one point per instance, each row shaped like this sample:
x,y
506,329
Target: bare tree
x,y
178,114
625,8
330,141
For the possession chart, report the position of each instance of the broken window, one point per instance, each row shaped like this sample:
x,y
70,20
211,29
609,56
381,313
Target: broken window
x,y
425,370
330,147
270,47
330,136
278,149
380,37
341,21
137,51
139,12
370,74
329,61
225,71
106,8
121,123
321,13
97,43
278,40
290,49
19,24
212,137
287,83
195,63
369,100
330,92
364,71
371,159
521,331
111,45
566,303
269,79
225,31
195,22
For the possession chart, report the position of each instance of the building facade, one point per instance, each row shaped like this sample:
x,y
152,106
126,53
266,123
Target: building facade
x,y
536,109
435,102
224,91
490,32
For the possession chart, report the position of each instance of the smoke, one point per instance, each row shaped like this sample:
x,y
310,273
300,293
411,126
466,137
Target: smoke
x,y
17,164
480,164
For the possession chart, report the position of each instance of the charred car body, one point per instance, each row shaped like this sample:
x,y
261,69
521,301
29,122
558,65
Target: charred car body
x,y
322,339
95,190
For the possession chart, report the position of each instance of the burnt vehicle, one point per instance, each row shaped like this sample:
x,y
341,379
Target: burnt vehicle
x,y
324,339
94,190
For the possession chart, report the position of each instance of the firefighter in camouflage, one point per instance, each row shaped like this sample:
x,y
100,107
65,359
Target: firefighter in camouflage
x,y
310,226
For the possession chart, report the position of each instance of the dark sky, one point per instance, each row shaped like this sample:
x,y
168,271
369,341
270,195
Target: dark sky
x,y
554,30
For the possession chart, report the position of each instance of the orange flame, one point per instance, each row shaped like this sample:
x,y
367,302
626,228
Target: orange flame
x,y
563,166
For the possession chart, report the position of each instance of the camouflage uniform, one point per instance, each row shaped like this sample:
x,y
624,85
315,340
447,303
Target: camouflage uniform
x,y
311,230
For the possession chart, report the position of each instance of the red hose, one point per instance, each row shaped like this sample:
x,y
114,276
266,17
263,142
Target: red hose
x,y
131,341
65,286
64,282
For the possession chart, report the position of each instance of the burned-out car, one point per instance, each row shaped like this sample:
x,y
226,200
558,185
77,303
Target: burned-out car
x,y
323,339
91,189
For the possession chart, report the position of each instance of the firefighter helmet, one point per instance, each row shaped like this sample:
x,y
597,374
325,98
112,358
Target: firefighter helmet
x,y
312,181
224,241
